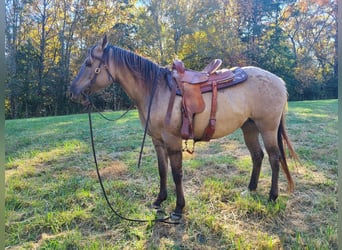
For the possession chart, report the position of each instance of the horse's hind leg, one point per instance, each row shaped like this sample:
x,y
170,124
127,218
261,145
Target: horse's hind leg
x,y
251,136
271,145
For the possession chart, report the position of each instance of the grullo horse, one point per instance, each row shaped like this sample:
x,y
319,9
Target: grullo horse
x,y
257,106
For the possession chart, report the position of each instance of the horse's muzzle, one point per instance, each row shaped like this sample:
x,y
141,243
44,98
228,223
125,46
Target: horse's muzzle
x,y
82,98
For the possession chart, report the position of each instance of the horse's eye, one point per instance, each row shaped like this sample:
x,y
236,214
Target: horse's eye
x,y
88,63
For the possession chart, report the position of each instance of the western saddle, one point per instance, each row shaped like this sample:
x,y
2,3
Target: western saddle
x,y
191,84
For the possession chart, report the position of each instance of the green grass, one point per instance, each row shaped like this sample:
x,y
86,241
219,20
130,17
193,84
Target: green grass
x,y
53,198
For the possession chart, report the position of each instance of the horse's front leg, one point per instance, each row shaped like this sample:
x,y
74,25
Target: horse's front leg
x,y
177,174
162,157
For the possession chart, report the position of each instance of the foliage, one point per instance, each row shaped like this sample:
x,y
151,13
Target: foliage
x,y
46,41
308,25
53,198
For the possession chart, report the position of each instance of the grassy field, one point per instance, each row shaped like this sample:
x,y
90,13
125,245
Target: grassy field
x,y
54,201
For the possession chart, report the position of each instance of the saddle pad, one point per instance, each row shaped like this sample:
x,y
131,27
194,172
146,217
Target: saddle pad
x,y
239,77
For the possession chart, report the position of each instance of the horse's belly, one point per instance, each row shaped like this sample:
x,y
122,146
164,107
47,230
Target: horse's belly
x,y
231,114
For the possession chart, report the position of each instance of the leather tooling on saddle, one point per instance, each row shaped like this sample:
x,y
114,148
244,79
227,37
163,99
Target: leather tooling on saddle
x,y
191,85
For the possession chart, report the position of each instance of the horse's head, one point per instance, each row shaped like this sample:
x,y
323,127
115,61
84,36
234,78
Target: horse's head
x,y
93,75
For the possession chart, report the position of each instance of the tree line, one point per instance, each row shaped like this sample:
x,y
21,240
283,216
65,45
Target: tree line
x,y
47,40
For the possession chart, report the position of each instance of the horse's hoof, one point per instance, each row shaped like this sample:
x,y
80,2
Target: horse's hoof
x,y
246,193
175,216
158,209
272,198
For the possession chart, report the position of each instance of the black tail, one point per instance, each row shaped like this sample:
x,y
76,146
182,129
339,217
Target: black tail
x,y
283,140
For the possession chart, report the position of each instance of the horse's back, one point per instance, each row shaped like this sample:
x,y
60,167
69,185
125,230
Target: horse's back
x,y
261,80
266,93
261,97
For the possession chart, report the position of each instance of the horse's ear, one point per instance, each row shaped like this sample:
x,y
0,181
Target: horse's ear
x,y
104,41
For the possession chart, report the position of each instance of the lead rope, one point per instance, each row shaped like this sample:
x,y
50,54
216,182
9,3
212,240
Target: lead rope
x,y
163,220
113,120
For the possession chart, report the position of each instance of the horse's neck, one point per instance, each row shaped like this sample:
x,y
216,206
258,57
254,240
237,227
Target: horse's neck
x,y
134,87
139,91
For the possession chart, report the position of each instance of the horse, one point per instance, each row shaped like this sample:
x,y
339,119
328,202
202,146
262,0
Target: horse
x,y
256,106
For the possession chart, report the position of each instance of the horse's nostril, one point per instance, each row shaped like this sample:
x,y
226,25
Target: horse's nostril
x,y
72,96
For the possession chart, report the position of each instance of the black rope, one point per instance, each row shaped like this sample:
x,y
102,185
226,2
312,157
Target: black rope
x,y
154,86
163,220
113,120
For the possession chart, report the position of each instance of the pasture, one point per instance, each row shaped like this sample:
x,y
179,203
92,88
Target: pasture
x,y
54,201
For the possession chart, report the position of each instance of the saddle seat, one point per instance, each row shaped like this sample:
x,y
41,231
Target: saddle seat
x,y
190,84
209,73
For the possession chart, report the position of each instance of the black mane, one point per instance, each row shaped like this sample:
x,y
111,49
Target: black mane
x,y
143,67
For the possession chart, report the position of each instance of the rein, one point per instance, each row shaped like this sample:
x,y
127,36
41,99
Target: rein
x,y
90,105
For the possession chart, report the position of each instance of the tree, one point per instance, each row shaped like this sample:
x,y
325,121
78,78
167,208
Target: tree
x,y
14,12
311,28
168,27
47,40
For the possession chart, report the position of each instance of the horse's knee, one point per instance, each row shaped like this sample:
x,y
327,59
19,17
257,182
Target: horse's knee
x,y
257,158
274,157
177,176
275,163
176,165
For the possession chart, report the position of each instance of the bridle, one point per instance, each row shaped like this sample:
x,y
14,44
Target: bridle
x,y
97,71
102,63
